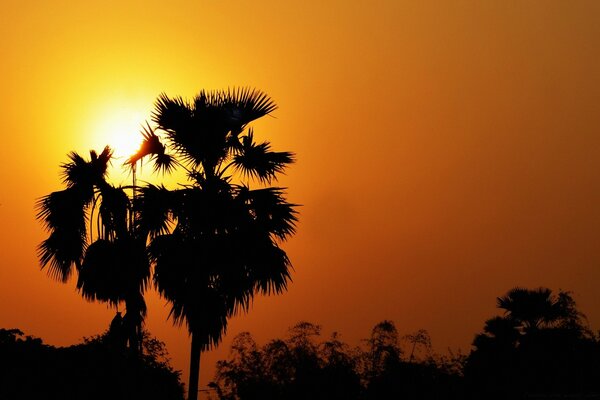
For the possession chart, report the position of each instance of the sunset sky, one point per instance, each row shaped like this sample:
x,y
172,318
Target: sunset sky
x,y
447,150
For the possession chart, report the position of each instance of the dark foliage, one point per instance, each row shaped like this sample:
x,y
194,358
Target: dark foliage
x,y
95,369
215,242
303,367
539,348
91,234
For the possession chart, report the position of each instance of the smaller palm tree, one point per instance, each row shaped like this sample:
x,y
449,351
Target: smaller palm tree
x,y
91,234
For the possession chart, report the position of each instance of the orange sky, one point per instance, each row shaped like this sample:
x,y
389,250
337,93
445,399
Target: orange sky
x,y
447,151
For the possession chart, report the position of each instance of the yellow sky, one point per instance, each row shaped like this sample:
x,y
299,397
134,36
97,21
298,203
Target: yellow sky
x,y
447,150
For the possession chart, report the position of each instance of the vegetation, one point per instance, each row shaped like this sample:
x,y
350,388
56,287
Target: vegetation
x,y
92,233
214,242
303,367
93,370
540,348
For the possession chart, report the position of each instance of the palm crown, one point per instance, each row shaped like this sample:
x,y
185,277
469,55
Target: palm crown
x,y
536,308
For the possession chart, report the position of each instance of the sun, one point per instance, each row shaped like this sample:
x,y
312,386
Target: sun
x,y
117,123
121,131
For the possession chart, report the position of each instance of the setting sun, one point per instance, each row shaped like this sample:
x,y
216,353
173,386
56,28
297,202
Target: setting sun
x,y
118,124
120,128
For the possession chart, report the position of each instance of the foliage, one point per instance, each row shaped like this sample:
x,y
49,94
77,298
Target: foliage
x,y
214,241
91,232
297,367
540,346
420,344
303,367
93,370
532,309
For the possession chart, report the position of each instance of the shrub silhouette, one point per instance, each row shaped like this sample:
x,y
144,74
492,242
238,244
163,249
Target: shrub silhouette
x,y
94,370
303,366
541,346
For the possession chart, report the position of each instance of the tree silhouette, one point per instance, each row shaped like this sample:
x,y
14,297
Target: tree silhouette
x,y
303,366
214,241
383,361
92,370
419,341
295,368
536,308
91,234
540,345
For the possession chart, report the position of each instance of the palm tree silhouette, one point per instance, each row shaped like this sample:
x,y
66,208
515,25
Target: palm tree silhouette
x,y
533,308
214,241
91,232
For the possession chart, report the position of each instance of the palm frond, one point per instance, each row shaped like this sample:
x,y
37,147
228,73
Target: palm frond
x,y
113,271
153,210
114,210
60,253
256,160
272,272
76,171
202,131
187,129
64,209
244,105
151,146
530,307
270,210
236,106
86,174
63,214
502,328
164,163
172,114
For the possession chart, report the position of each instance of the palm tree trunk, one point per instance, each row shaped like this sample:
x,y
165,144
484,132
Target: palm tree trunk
x,y
133,326
194,368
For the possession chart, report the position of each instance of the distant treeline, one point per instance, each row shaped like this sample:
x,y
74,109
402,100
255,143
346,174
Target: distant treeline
x,y
97,369
540,347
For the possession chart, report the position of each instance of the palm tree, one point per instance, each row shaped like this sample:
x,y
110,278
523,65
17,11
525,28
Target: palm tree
x,y
533,309
91,234
214,241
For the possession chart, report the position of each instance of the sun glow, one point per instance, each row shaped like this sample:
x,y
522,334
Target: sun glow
x,y
118,124
121,131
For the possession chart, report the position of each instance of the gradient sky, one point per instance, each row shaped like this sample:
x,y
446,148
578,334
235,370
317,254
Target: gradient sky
x,y
447,150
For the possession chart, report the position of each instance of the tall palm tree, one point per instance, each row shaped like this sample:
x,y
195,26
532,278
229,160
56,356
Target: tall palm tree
x,y
215,240
91,234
